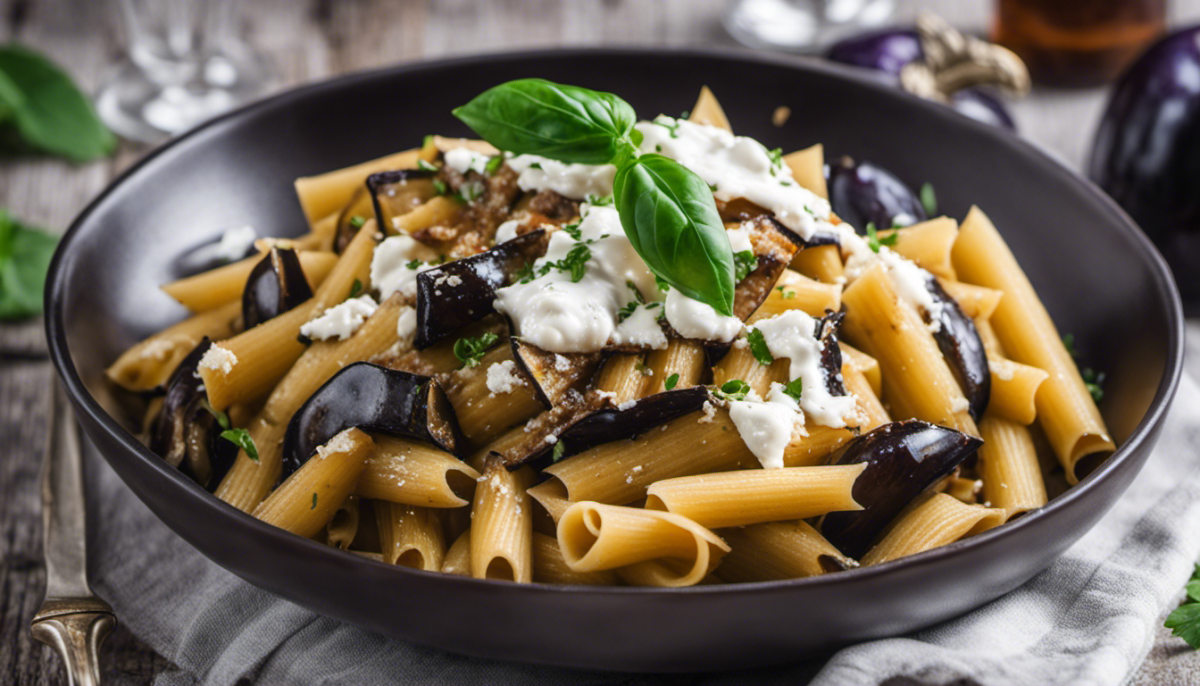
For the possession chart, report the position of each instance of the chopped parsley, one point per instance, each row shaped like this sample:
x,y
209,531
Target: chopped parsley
x,y
241,438
734,389
744,262
425,166
929,199
776,157
685,114
663,286
573,263
413,264
471,350
314,505
525,273
599,200
1069,343
1184,621
536,165
559,449
658,147
573,231
439,186
643,369
221,417
758,346
357,221
794,388
355,289
785,294
470,192
673,127
671,381
627,311
874,242
493,165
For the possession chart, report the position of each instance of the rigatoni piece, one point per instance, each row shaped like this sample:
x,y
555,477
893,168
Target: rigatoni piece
x,y
217,287
935,522
502,525
549,567
343,525
808,169
439,210
794,291
870,408
928,244
149,363
976,302
1008,465
864,363
1014,390
682,359
1065,408
822,263
325,194
483,414
596,537
753,496
458,557
306,502
552,496
410,536
740,363
708,111
622,375
778,550
410,472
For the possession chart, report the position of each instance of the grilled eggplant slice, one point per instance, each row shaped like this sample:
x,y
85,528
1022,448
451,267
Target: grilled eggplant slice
x,y
275,285
831,352
443,308
371,398
185,433
350,219
553,374
903,459
394,193
960,344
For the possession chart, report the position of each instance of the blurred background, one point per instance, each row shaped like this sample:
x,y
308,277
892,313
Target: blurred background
x,y
152,68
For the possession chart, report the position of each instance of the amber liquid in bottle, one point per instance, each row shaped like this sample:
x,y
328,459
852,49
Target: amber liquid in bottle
x,y
1077,42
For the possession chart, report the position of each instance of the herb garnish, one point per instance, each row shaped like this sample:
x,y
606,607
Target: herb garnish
x,y
734,389
599,200
785,294
524,274
355,289
413,264
671,381
627,311
673,127
776,157
426,166
357,221
874,242
439,186
744,262
25,254
667,211
471,350
573,230
929,199
574,262
493,165
239,437
1092,379
794,388
1184,621
314,505
470,191
758,346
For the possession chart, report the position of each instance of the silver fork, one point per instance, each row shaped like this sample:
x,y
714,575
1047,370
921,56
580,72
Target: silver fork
x,y
72,620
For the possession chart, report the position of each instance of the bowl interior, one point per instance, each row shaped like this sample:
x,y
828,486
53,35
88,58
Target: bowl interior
x,y
1097,275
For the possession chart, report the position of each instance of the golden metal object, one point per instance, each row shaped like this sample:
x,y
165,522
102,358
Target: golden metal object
x,y
954,61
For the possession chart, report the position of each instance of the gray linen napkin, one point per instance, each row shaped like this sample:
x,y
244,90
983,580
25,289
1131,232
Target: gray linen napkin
x,y
1089,619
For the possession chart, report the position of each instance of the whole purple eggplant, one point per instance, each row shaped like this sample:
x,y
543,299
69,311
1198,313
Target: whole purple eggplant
x,y
889,50
863,192
1146,153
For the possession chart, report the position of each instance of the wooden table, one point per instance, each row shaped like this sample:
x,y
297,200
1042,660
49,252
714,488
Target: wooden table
x,y
313,40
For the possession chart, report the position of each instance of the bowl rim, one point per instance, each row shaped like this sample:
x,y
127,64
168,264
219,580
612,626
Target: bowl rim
x,y
1163,284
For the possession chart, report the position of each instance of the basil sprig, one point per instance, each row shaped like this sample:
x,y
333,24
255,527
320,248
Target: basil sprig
x,y
667,211
25,254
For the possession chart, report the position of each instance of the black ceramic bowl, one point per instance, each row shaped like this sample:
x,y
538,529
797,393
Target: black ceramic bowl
x,y
1098,275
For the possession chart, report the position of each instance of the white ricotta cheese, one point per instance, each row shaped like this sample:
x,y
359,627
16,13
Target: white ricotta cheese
x,y
507,231
575,181
390,265
219,359
232,246
694,319
463,160
502,377
406,324
792,335
767,427
341,320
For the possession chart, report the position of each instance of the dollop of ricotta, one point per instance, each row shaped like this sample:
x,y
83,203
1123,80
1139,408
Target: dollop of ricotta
x,y
219,359
463,160
341,320
575,181
767,427
694,319
502,377
393,269
792,336
406,323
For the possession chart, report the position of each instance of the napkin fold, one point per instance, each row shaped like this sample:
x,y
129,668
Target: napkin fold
x,y
1087,620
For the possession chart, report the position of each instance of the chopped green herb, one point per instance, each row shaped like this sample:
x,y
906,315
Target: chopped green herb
x,y
314,505
426,166
536,165
439,186
1184,622
712,187
574,263
471,350
734,389
668,124
776,157
671,381
524,274
357,221
929,199
794,388
758,346
493,165
573,231
1069,344
658,147
600,200
1095,383
427,140
642,369
560,448
874,242
413,264
663,286
241,438
784,293
355,289
222,418
744,262
637,294
627,311
470,192
685,114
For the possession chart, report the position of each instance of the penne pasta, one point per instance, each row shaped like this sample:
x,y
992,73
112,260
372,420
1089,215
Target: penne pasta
x,y
1014,390
820,263
794,291
220,286
149,363
306,502
483,414
1008,465
778,550
549,566
808,168
708,111
682,359
410,536
976,302
343,525
928,244
1065,409
939,520
502,525
409,472
326,194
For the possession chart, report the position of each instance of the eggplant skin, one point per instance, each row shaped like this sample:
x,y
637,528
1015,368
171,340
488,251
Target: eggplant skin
x,y
959,341
275,285
862,193
1146,153
184,388
372,398
903,459
614,424
443,309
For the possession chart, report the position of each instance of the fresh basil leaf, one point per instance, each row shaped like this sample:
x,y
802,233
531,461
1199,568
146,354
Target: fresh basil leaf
x,y
795,388
564,123
25,255
241,438
758,346
49,112
744,262
671,381
670,217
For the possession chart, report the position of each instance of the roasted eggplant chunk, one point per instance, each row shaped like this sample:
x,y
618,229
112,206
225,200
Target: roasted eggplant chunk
x,y
275,285
351,218
903,459
394,193
960,344
553,374
371,398
831,352
463,291
186,434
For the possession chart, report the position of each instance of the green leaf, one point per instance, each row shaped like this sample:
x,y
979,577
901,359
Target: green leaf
x,y
929,199
671,219
795,388
25,255
565,123
355,289
241,438
471,350
314,505
47,109
671,381
734,389
222,418
357,221
758,346
874,242
559,448
493,165
1184,622
744,262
